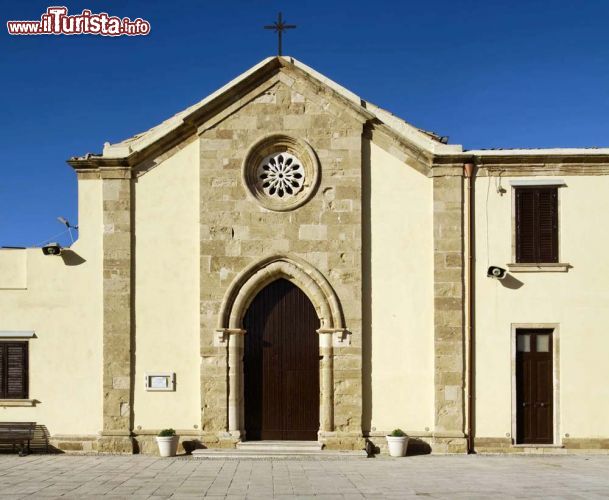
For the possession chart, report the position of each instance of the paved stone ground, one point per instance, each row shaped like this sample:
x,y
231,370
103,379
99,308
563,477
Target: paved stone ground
x,y
43,476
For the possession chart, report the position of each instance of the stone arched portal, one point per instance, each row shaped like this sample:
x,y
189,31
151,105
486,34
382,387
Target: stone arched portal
x,y
236,301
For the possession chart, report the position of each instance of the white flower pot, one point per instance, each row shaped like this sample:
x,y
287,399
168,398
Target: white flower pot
x,y
168,445
397,445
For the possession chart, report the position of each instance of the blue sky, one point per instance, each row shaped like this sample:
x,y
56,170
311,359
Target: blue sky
x,y
485,73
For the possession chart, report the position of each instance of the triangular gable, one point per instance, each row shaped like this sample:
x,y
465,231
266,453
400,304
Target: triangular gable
x,y
155,140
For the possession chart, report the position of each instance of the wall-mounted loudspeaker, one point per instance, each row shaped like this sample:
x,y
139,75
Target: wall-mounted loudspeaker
x,y
52,249
496,272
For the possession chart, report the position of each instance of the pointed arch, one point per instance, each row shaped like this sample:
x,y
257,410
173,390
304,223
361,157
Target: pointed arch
x,y
256,276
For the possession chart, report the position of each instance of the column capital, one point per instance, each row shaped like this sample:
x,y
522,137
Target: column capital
x,y
341,336
221,335
332,330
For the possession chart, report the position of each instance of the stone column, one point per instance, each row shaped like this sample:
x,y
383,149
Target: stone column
x,y
117,312
449,379
235,382
326,371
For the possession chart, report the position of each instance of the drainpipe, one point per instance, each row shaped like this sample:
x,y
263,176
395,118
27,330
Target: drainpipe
x,y
469,172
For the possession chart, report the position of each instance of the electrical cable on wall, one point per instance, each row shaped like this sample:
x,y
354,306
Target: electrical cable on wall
x,y
501,191
488,189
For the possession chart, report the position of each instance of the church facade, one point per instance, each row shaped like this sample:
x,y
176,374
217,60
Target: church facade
x,y
286,261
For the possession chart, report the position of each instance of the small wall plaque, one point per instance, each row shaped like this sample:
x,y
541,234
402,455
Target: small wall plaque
x,y
161,381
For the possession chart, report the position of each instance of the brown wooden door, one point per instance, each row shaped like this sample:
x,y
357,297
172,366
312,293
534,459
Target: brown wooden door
x,y
281,365
534,387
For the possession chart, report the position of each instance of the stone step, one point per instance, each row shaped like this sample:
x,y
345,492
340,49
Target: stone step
x,y
257,454
277,449
274,446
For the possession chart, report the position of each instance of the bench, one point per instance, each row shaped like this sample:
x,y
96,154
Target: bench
x,y
17,433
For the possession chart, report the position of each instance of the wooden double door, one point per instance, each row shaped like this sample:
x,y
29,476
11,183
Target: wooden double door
x,y
281,365
534,387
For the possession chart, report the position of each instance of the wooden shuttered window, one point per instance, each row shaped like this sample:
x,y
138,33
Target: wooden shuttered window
x,y
537,224
13,370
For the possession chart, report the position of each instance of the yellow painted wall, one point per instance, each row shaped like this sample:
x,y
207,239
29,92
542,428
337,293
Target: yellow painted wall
x,y
577,300
167,290
401,209
62,303
13,269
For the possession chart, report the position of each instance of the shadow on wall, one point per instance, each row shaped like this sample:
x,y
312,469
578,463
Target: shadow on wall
x,y
39,443
415,447
510,282
188,446
192,445
71,258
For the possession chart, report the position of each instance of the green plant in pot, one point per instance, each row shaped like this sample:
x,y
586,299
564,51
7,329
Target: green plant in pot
x,y
397,442
167,441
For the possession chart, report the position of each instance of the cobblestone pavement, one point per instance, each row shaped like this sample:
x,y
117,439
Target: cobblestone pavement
x,y
44,476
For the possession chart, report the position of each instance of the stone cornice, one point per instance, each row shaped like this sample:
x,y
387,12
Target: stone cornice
x,y
384,137
229,100
101,164
523,164
355,110
182,131
191,121
429,160
103,172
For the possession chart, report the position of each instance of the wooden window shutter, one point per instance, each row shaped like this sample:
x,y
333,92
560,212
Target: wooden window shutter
x,y
2,371
547,208
525,225
16,370
537,225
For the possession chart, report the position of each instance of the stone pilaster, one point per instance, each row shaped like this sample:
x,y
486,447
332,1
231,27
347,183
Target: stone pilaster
x,y
449,331
215,393
117,313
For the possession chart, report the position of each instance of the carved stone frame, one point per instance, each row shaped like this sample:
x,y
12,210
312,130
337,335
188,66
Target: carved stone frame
x,y
277,143
237,299
555,327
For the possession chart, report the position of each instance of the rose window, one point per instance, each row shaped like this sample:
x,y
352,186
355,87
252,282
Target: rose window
x,y
280,175
280,172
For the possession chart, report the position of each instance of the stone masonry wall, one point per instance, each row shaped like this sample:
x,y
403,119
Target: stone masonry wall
x,y
325,231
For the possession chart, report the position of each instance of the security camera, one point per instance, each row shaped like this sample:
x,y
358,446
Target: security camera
x,y
52,249
496,272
